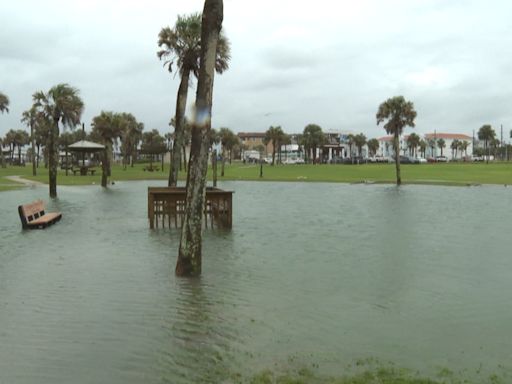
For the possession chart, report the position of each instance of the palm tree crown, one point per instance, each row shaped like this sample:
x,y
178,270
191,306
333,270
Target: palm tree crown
x,y
4,103
182,46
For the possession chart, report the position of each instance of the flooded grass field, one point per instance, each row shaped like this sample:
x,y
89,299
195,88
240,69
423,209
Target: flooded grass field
x,y
312,275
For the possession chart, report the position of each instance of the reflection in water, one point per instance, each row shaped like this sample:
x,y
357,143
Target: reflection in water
x,y
322,273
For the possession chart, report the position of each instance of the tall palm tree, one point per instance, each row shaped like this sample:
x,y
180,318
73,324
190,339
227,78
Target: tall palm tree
x,y
189,253
350,141
454,146
360,141
182,46
441,144
313,138
32,118
423,147
4,103
108,126
413,141
61,104
398,114
21,138
226,140
4,107
373,146
486,133
131,135
273,135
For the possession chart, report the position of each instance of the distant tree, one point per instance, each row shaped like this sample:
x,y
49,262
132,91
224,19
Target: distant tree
x,y
228,140
10,140
398,114
131,135
413,141
61,104
108,126
486,133
182,46
21,138
454,146
152,144
4,107
423,147
4,103
441,144
313,139
373,146
360,141
350,142
432,144
273,135
32,118
463,147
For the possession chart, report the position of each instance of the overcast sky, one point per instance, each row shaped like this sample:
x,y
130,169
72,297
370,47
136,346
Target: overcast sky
x,y
293,62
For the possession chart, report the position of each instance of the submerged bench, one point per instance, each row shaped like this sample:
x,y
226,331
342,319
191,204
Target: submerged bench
x,y
33,215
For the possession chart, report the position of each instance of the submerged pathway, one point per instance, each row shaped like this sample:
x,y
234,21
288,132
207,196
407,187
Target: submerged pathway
x,y
26,182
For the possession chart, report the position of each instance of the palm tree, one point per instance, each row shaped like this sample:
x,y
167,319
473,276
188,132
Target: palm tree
x,y
423,147
454,146
182,46
432,143
21,138
360,141
152,144
4,107
313,138
61,104
413,141
373,146
226,138
463,147
350,142
131,135
108,126
399,114
189,254
33,119
273,134
486,133
441,144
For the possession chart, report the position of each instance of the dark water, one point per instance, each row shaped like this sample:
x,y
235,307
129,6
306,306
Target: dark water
x,y
323,273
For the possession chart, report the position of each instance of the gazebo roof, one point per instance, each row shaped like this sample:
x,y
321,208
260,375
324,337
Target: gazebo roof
x,y
84,145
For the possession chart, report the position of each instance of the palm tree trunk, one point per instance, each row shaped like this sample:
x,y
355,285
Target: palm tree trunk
x,y
397,160
105,165
52,158
181,104
214,167
189,255
2,160
223,164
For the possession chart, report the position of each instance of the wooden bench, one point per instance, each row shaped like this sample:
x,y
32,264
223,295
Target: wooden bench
x,y
33,215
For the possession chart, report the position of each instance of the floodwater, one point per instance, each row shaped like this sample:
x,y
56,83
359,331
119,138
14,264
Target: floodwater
x,y
311,272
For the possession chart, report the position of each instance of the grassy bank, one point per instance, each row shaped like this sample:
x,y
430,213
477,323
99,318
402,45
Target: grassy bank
x,y
443,174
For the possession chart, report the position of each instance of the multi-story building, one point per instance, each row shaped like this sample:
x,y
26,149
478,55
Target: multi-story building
x,y
253,140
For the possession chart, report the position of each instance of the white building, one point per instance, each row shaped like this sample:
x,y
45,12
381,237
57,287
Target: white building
x,y
433,149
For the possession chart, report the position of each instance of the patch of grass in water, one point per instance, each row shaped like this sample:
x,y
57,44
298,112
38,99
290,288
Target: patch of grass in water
x,y
371,371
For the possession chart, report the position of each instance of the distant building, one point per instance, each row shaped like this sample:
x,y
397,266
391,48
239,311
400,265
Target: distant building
x,y
448,140
252,140
386,145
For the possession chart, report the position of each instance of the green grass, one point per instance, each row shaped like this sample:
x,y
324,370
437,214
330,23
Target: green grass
x,y
440,173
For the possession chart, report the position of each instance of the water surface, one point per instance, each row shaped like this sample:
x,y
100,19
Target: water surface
x,y
322,273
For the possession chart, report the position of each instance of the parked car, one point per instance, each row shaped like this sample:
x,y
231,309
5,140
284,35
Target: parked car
x,y
421,160
299,161
441,159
